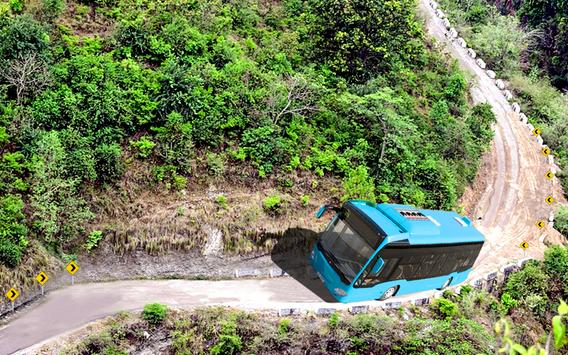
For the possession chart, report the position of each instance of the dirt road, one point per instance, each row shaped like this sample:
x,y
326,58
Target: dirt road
x,y
515,187
509,205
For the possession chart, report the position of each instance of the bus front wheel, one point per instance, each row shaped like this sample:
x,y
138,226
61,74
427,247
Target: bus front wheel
x,y
389,293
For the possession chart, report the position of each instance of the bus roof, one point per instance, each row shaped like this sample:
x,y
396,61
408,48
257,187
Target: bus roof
x,y
422,226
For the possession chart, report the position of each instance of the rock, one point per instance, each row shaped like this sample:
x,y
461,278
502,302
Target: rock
x,y
516,107
500,84
480,63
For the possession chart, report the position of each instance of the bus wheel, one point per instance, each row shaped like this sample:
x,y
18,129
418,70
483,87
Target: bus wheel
x,y
389,293
447,283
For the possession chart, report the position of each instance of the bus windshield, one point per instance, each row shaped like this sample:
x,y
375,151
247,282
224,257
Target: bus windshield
x,y
345,248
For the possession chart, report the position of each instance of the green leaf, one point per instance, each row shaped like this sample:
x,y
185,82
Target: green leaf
x,y
559,331
519,348
563,308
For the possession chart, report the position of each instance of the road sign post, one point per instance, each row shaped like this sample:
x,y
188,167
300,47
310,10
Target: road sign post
x,y
72,268
524,245
42,278
12,295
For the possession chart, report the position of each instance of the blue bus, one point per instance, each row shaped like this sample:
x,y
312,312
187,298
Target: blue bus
x,y
376,251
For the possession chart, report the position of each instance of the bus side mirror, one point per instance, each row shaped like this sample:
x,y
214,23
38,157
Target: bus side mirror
x,y
321,211
377,267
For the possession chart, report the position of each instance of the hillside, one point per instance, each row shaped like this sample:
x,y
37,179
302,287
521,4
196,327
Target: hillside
x,y
114,112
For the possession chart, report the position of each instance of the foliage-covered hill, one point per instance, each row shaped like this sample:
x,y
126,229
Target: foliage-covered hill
x,y
340,88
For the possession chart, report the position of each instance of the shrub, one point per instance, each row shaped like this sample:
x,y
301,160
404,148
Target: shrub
x,y
144,146
215,164
536,303
154,313
222,201
93,240
333,320
556,264
531,280
16,5
284,326
304,200
347,34
108,162
10,253
465,290
444,308
458,336
359,185
272,204
561,219
507,303
229,342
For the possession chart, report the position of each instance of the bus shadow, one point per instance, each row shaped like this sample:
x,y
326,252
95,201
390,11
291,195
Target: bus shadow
x,y
291,254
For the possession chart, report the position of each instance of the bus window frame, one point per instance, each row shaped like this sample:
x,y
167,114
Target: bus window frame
x,y
357,283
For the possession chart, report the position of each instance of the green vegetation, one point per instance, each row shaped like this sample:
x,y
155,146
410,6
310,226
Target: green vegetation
x,y
340,89
445,308
154,313
93,240
525,42
272,204
471,322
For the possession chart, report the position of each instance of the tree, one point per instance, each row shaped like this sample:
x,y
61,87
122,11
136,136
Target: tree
x,y
28,74
357,38
58,212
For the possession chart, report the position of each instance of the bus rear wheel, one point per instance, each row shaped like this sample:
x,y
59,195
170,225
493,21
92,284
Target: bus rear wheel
x,y
389,293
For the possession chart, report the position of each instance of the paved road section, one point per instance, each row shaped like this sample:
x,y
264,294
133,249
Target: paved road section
x,y
69,308
509,207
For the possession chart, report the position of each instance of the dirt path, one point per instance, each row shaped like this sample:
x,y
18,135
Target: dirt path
x,y
510,202
515,187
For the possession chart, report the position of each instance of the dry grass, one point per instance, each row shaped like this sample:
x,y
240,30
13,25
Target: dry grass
x,y
23,277
138,215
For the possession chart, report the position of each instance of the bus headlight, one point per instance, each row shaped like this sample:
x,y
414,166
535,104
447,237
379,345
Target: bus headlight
x,y
339,291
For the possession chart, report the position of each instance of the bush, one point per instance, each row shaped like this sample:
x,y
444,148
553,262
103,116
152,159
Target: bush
x,y
531,280
561,220
93,240
458,336
444,308
304,200
229,342
333,320
284,326
108,162
556,264
216,164
144,146
359,185
221,200
507,303
272,204
154,313
465,290
347,35
10,253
